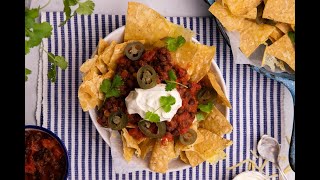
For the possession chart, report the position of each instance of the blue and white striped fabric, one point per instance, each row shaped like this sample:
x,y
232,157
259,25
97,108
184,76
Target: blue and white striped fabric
x,y
256,100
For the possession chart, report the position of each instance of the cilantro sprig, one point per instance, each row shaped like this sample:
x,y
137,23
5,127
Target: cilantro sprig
x,y
84,8
291,35
165,103
204,110
55,61
173,44
36,31
171,83
111,88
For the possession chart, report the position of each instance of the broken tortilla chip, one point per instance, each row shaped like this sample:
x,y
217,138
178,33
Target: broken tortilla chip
x,y
184,158
285,28
146,146
276,34
102,46
242,7
284,50
194,158
127,151
216,123
131,142
161,156
280,10
252,14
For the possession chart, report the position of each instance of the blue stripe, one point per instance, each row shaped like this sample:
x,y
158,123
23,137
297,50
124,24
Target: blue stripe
x,y
231,111
144,174
197,171
204,27
76,99
217,165
150,175
210,171
56,47
244,100
130,176
171,19
178,22
123,17
49,82
83,128
198,29
279,110
103,20
185,23
117,21
225,79
251,109
117,176
70,105
170,175
183,174
238,117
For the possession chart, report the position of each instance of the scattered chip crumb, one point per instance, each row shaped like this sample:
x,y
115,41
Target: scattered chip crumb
x,y
263,165
288,139
287,169
254,154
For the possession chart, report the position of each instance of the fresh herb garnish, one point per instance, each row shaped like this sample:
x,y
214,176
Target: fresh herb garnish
x,y
55,61
291,35
171,83
200,116
174,43
166,102
111,89
152,117
84,8
206,107
27,72
34,31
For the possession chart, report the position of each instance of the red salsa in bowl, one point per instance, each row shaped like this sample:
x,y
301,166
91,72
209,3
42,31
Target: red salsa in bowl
x,y
45,155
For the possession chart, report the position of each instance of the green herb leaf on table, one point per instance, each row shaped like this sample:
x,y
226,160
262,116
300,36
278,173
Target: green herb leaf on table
x,y
111,89
84,8
200,116
152,117
291,35
27,72
206,107
166,102
55,61
174,43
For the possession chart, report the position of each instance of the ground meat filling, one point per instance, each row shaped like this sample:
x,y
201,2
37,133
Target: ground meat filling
x,y
160,60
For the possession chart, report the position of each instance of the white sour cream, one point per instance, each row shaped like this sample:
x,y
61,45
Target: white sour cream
x,y
141,101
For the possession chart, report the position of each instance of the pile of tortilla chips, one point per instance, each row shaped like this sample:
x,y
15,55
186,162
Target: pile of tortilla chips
x,y
260,22
149,27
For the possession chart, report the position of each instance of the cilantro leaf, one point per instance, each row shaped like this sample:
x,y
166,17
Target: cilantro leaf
x,y
166,102
27,72
199,116
111,89
55,61
291,35
85,8
26,47
171,83
152,117
174,43
205,107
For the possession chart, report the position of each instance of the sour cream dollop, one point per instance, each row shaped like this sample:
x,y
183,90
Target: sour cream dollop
x,y
141,101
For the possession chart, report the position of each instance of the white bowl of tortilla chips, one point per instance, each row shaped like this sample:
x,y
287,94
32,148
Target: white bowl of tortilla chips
x,y
129,154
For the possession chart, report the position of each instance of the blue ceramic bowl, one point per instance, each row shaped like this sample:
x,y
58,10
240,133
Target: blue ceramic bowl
x,y
61,144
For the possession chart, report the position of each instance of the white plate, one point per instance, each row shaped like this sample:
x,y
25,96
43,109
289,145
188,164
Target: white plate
x,y
117,36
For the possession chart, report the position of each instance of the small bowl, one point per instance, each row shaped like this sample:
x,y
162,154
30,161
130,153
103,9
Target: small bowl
x,y
41,149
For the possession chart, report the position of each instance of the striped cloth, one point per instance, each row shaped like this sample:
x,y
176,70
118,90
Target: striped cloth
x,y
257,101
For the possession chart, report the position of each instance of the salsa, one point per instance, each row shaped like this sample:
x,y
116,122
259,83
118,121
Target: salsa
x,y
160,60
44,156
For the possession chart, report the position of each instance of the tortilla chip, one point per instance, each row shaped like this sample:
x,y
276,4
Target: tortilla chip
x,y
218,155
276,34
194,158
88,64
145,23
253,35
272,39
242,7
293,27
102,46
161,156
196,58
131,142
221,96
88,94
252,14
107,53
92,73
184,158
272,62
285,28
101,65
228,20
146,146
127,151
216,123
212,143
284,50
280,10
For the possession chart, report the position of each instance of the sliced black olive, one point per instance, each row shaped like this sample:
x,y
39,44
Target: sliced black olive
x,y
147,77
189,137
134,50
145,125
206,95
117,120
